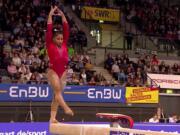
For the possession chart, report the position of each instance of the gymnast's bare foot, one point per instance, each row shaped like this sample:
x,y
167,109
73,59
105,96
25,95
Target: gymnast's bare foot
x,y
68,111
53,121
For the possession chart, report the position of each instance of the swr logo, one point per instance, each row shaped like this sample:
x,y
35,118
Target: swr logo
x,y
100,13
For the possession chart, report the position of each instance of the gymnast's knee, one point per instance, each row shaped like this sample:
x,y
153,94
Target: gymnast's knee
x,y
54,108
58,97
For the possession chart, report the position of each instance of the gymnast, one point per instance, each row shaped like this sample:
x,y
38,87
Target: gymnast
x,y
56,44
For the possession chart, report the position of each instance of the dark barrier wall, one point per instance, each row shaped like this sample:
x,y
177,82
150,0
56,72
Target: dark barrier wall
x,y
170,104
82,113
18,111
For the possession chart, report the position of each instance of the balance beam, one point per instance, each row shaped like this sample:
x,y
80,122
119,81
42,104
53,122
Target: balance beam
x,y
80,129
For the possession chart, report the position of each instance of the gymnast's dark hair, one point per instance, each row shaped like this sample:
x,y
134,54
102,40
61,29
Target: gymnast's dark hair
x,y
56,32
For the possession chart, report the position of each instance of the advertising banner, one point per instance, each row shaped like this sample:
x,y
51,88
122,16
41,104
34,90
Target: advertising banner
x,y
142,95
42,128
35,128
23,92
96,94
163,127
165,81
92,13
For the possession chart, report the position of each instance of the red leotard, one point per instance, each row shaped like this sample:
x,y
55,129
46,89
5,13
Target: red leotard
x,y
58,57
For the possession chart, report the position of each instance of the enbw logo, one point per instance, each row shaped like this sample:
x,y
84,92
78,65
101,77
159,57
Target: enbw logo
x,y
106,93
30,92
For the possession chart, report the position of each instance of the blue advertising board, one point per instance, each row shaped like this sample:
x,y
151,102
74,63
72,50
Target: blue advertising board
x,y
36,128
44,93
42,128
160,127
170,127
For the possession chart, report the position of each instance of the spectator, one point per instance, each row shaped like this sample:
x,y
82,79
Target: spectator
x,y
129,39
154,60
109,62
32,79
69,73
85,58
28,74
70,51
121,76
92,81
34,67
6,60
35,50
12,70
178,121
7,47
173,119
154,119
115,70
43,66
36,59
99,78
74,80
175,68
22,69
16,60
83,77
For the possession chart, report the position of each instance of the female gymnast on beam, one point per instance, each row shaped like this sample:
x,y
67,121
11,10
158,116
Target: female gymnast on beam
x,y
56,44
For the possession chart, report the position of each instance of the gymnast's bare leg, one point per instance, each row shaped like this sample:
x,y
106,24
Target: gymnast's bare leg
x,y
56,44
58,100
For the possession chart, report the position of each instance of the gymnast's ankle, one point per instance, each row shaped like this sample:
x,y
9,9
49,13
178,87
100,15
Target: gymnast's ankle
x,y
68,111
53,120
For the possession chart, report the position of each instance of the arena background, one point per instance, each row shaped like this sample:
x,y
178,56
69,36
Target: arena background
x,y
100,31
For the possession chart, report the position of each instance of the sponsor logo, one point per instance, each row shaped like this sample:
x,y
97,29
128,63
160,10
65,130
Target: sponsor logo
x,y
24,133
123,133
167,81
104,94
30,92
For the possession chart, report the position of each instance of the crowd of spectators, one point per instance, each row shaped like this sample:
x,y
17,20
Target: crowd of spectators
x,y
79,71
161,117
23,57
151,16
134,72
94,3
23,54
154,18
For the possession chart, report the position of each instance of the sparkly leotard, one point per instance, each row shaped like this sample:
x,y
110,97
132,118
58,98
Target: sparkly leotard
x,y
58,57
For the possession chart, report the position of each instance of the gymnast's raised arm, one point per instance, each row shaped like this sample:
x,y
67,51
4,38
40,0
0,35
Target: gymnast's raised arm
x,y
65,26
49,33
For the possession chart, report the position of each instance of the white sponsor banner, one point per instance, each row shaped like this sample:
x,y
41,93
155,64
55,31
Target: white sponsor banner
x,y
165,81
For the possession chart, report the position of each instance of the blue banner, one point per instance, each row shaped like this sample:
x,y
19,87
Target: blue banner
x,y
95,94
42,128
165,127
36,128
21,92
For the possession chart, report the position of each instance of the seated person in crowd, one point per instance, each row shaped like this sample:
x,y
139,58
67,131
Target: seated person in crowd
x,y
154,119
